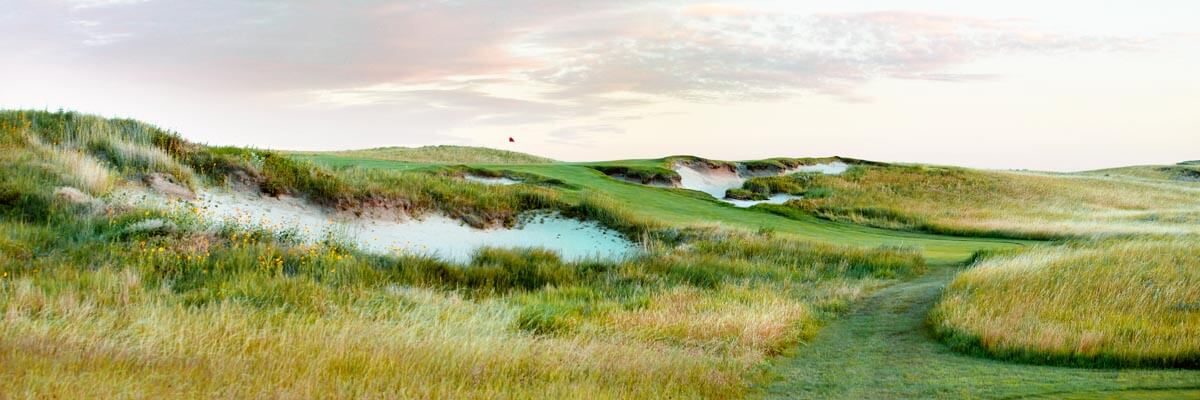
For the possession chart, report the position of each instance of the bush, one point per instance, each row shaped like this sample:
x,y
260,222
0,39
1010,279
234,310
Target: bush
x,y
743,194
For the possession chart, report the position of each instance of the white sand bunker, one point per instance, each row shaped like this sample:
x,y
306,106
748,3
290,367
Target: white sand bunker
x,y
434,235
716,181
712,181
778,198
832,168
486,180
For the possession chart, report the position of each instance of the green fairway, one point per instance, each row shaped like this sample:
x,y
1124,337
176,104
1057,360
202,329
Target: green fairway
x,y
684,207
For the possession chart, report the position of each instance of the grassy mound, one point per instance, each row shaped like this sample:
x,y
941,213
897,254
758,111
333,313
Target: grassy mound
x,y
97,154
443,154
1183,172
967,202
647,175
1109,303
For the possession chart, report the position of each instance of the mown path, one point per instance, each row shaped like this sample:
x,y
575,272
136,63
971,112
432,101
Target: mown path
x,y
882,350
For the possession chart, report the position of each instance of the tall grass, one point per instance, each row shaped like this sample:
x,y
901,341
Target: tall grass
x,y
107,311
91,152
81,142
1003,204
1107,303
82,170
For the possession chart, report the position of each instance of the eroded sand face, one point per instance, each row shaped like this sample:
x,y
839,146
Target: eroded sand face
x,y
778,198
716,181
712,181
491,181
433,235
833,168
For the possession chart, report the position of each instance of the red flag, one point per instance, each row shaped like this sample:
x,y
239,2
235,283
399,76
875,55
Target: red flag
x,y
511,140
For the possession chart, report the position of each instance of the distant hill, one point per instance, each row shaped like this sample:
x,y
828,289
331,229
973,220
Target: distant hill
x,y
1188,171
444,154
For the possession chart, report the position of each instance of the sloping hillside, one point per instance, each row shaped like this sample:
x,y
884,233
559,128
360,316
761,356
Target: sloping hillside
x,y
1187,172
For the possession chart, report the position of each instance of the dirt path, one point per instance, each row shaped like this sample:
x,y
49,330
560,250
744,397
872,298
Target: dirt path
x,y
883,350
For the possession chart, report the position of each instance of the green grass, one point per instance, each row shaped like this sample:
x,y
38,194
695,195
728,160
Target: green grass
x,y
884,350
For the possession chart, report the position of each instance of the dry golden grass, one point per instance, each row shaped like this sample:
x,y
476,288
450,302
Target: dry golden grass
x,y
741,319
215,315
1019,204
118,338
1134,302
83,171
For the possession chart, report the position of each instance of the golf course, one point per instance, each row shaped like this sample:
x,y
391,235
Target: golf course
x,y
135,263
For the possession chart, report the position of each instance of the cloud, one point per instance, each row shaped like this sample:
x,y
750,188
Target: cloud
x,y
524,61
86,4
734,54
721,53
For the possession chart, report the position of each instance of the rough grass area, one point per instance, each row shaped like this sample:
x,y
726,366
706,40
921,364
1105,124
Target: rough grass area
x,y
524,177
882,349
104,300
93,154
759,188
443,155
1185,172
968,202
644,174
1109,303
96,307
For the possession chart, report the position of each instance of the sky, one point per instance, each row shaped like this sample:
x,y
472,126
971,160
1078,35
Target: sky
x,y
1063,85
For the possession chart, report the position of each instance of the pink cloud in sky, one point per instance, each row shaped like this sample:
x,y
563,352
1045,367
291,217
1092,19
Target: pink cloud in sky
x,y
446,65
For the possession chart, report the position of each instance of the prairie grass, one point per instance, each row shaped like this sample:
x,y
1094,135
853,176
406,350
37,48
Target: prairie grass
x,y
1003,204
82,170
644,174
1185,172
91,147
91,152
109,312
123,339
1109,303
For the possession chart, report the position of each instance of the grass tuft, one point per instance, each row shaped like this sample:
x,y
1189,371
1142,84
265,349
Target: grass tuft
x,y
1105,303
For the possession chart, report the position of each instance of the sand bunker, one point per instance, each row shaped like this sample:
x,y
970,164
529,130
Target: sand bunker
x,y
779,198
712,181
490,180
833,168
434,235
716,181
